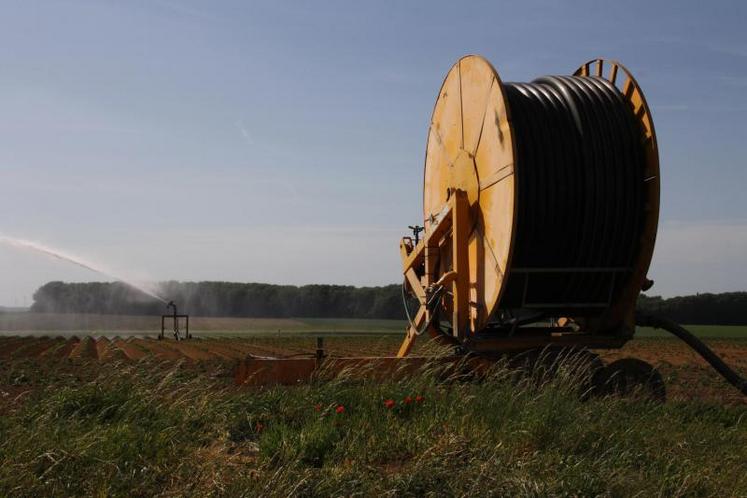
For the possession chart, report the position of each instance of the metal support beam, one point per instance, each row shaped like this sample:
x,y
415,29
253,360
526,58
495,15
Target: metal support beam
x,y
460,260
448,231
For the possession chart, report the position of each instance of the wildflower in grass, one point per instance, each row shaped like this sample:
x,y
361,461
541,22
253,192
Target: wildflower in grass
x,y
317,407
389,403
407,400
259,427
340,409
419,398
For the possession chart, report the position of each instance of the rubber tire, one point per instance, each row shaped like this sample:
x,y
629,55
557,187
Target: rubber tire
x,y
583,363
632,377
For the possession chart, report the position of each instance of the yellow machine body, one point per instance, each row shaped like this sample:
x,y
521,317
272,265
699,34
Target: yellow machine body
x,y
470,211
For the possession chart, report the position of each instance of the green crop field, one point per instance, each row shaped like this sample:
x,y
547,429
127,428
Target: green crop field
x,y
704,331
68,324
158,429
13,323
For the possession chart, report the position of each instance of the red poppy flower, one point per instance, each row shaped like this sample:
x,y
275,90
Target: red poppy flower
x,y
259,427
407,400
419,398
340,409
389,403
317,407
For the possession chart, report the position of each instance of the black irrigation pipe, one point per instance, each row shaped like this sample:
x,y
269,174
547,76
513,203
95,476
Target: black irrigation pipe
x,y
580,179
659,322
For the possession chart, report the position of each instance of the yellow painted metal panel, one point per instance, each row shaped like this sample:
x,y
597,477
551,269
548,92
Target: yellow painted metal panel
x,y
483,167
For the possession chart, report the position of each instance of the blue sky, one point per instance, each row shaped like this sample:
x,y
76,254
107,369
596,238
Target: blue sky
x,y
283,141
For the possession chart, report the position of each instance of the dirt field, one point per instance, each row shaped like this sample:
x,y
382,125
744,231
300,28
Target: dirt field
x,y
71,339
686,374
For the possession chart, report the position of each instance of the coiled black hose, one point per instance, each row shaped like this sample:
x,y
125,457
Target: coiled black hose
x,y
581,198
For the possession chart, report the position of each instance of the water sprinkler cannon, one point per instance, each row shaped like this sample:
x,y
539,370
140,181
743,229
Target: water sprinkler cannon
x,y
416,229
175,317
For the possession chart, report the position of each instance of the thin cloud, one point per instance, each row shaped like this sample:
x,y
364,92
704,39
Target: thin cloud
x,y
244,132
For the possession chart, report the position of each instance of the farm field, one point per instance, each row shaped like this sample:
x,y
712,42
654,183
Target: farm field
x,y
112,338
69,324
686,374
125,414
84,426
702,331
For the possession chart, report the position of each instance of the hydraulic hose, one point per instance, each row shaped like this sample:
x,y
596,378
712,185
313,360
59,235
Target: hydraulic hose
x,y
434,309
658,322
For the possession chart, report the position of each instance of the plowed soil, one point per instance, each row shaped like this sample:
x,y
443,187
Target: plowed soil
x,y
686,374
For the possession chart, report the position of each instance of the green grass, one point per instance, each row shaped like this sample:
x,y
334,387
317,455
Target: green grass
x,y
122,325
356,325
64,324
147,429
314,327
704,331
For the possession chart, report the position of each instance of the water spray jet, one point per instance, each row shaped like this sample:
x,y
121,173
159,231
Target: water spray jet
x,y
76,260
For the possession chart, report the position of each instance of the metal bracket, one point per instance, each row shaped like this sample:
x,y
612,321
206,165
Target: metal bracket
x,y
419,268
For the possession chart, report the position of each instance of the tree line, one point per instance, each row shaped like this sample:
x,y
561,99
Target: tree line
x,y
726,308
224,299
320,301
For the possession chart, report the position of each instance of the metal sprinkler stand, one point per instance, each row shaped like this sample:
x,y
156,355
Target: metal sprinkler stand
x,y
175,316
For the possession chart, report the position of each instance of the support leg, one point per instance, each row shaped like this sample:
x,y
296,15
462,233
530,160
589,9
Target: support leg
x,y
460,261
411,335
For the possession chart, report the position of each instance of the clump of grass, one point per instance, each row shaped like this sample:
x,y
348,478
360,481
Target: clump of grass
x,y
142,430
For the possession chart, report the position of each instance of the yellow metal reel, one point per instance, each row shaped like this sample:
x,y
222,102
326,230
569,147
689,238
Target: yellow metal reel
x,y
470,148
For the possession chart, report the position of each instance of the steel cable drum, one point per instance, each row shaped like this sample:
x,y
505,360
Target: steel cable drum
x,y
562,178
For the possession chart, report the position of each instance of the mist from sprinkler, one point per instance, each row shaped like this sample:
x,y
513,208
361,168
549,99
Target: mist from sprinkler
x,y
62,255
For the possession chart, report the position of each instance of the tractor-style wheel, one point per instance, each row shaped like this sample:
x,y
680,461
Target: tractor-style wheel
x,y
632,377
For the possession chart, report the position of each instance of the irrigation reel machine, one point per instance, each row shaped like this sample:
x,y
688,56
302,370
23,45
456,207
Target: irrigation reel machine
x,y
540,211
